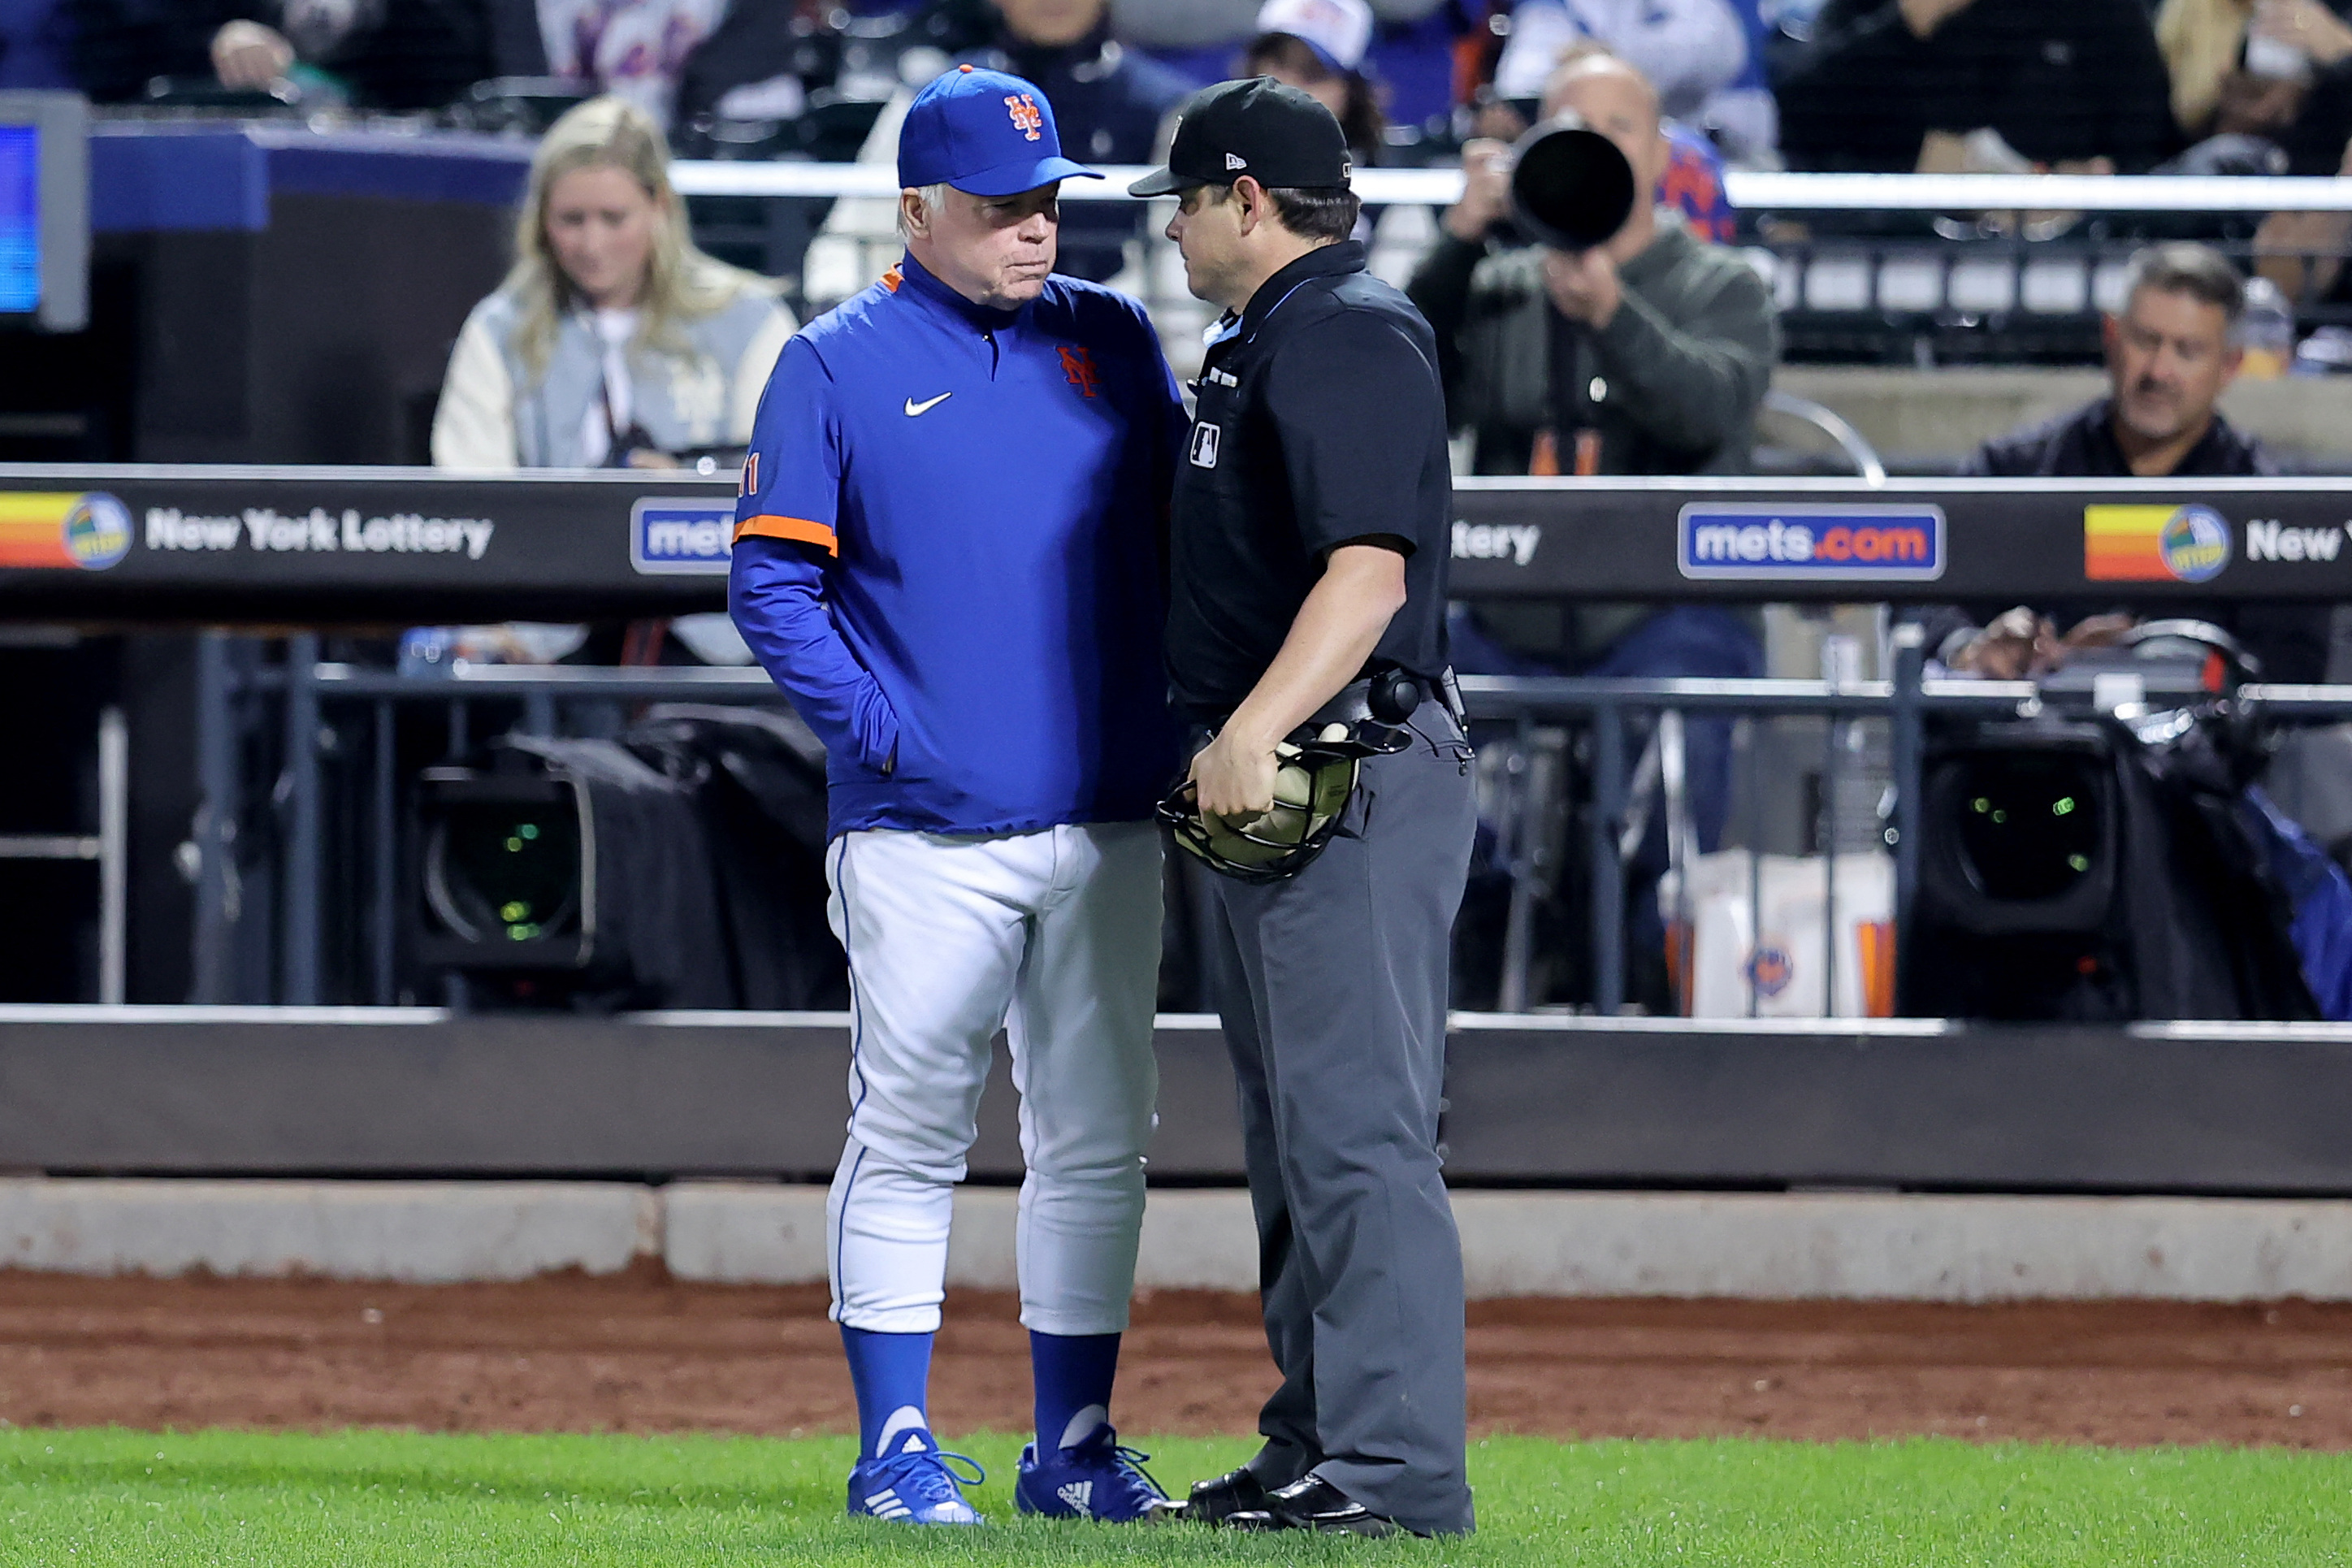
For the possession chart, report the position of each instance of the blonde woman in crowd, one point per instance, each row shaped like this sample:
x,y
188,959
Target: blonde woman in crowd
x,y
614,341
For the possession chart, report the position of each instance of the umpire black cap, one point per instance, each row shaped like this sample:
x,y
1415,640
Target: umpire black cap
x,y
1278,135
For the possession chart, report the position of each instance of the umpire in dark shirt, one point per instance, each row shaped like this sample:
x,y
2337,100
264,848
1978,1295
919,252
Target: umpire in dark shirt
x,y
2170,355
1310,534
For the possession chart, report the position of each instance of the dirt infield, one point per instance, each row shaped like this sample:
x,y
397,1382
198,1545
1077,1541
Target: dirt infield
x,y
640,1352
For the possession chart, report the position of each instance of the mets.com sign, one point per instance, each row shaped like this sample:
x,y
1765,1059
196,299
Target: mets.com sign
x,y
682,536
1742,541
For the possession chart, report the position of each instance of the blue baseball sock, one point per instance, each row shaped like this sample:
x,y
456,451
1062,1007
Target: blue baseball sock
x,y
1073,1374
892,1374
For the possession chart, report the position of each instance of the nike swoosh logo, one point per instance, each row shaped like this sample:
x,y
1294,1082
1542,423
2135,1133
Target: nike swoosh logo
x,y
914,408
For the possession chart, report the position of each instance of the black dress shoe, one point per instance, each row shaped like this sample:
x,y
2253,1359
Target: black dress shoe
x,y
1213,1502
1314,1504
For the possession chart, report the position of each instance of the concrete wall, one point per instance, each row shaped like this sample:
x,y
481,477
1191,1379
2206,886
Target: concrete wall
x,y
1848,1246
428,1232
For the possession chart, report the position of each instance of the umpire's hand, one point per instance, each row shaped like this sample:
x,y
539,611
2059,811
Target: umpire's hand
x,y
1336,630
1235,775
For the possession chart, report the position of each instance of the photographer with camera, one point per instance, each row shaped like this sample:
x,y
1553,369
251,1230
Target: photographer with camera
x,y
1647,353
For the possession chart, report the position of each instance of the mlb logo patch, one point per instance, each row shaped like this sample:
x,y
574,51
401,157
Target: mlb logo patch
x,y
1204,446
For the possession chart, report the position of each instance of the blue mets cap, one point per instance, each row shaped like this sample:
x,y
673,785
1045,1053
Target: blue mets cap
x,y
986,133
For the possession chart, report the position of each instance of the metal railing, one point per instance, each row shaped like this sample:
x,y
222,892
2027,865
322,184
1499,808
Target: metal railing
x,y
315,700
1750,189
1858,268
108,851
306,688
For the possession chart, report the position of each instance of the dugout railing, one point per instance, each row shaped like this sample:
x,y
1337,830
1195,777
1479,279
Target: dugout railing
x,y
312,708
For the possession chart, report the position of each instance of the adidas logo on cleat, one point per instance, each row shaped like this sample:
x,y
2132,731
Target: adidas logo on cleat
x,y
886,1505
1078,1495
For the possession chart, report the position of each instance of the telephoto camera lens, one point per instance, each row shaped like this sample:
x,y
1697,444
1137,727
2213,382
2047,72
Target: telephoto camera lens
x,y
1571,186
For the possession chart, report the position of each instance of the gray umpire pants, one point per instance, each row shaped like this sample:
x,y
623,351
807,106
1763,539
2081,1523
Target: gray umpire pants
x,y
1333,990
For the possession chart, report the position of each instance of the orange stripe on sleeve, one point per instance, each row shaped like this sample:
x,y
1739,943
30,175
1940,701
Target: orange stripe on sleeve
x,y
794,528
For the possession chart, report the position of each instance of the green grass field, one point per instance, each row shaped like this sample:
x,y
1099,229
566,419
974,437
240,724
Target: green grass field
x,y
95,1499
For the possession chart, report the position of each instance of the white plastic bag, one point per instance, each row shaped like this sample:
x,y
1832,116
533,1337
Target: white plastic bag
x,y
1786,970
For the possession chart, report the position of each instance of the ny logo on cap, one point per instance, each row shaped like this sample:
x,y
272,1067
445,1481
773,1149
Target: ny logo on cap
x,y
1235,160
1026,118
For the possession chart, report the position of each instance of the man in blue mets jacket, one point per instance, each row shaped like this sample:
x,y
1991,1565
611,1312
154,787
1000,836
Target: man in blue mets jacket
x,y
946,552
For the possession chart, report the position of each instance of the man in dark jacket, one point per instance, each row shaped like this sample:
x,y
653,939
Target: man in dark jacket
x,y
1649,353
2169,357
2062,83
386,54
1112,103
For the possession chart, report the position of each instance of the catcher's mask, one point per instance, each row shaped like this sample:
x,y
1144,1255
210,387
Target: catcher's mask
x,y
1313,780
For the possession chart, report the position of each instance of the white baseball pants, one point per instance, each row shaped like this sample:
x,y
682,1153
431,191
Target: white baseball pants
x,y
1054,935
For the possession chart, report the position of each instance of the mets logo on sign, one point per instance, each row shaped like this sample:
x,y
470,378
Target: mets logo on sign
x,y
97,531
2154,543
688,537
1812,542
1026,118
1769,971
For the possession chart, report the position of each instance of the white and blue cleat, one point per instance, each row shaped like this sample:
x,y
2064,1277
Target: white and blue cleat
x,y
911,1481
1091,1478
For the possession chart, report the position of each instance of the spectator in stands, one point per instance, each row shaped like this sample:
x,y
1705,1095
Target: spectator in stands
x,y
631,48
614,341
2170,358
1679,334
1318,47
1693,184
382,54
1410,54
1894,85
1694,52
1649,355
1743,114
2280,69
1109,102
1112,104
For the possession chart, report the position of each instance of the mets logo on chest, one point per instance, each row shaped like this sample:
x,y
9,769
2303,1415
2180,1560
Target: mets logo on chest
x,y
1026,118
1079,366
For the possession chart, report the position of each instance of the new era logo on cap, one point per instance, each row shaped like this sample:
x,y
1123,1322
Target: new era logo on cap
x,y
1274,133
